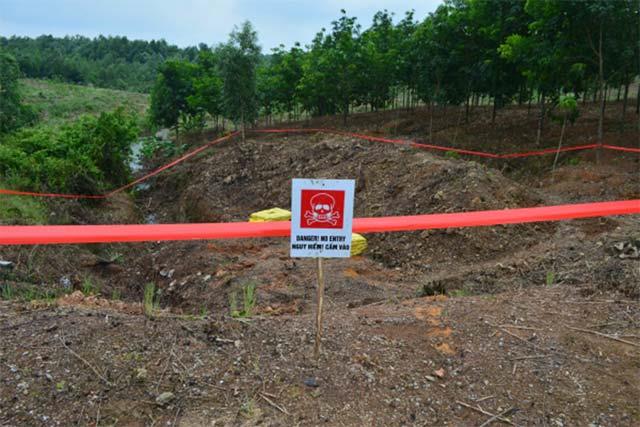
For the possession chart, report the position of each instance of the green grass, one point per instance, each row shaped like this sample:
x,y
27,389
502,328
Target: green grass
x,y
248,301
58,103
20,210
550,278
151,301
29,292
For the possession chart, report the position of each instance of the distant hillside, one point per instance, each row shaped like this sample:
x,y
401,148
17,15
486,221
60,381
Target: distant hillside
x,y
58,103
111,62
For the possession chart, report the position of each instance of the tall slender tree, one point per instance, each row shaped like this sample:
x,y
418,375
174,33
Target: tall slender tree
x,y
239,59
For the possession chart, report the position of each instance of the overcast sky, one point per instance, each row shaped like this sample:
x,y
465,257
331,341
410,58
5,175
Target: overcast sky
x,y
189,22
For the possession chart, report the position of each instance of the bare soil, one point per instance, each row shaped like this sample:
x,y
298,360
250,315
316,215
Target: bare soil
x,y
540,322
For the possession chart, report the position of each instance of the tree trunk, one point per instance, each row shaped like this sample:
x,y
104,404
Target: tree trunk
x,y
495,109
555,161
602,94
242,124
431,121
455,135
624,101
345,113
543,112
466,112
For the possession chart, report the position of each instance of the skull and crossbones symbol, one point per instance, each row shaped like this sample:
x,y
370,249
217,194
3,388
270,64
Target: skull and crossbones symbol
x,y
322,205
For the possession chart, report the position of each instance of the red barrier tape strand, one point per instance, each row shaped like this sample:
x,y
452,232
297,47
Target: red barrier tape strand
x,y
57,234
124,187
547,151
173,163
56,195
619,148
323,130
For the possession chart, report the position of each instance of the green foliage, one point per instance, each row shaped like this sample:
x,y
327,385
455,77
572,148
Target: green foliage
x,y
169,96
152,146
574,161
59,103
89,288
7,292
151,300
28,292
89,155
239,58
550,278
18,210
457,293
568,107
110,62
13,113
206,96
248,301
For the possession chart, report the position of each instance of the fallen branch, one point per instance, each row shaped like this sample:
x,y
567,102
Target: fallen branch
x,y
274,404
520,327
80,358
497,417
530,344
600,334
537,356
482,411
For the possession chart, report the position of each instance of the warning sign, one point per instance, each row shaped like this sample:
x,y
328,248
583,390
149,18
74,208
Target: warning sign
x,y
321,217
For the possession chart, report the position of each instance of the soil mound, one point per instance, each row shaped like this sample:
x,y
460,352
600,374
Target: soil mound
x,y
240,178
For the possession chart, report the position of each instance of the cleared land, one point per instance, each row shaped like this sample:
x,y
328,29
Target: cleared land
x,y
59,102
538,322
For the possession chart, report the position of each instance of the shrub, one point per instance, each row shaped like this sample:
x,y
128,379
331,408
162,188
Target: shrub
x,y
86,156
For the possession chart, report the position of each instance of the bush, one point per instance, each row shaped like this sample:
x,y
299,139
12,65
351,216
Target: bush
x,y
87,156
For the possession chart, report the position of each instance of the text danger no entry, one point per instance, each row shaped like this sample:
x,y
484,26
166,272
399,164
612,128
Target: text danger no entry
x,y
321,217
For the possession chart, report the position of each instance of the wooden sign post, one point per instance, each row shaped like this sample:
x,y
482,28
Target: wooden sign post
x,y
321,219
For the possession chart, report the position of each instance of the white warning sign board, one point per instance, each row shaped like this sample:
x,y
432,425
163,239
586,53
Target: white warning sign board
x,y
321,217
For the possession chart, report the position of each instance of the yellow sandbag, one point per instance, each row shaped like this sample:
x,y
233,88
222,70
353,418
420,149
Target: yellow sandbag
x,y
269,215
358,244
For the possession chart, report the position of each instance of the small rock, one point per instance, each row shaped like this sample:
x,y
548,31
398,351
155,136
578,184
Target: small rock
x,y
165,398
141,374
167,273
430,378
65,282
7,265
439,373
311,382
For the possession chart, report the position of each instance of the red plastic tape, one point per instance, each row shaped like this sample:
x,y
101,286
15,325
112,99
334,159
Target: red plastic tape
x,y
619,148
323,130
55,234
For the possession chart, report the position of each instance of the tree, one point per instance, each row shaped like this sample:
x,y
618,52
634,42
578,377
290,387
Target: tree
x,y
13,114
380,56
207,86
170,94
280,77
239,58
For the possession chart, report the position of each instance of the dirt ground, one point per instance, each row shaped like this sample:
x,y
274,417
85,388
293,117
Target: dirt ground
x,y
538,324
